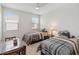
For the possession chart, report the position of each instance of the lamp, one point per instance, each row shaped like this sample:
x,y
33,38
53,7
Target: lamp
x,y
54,32
53,29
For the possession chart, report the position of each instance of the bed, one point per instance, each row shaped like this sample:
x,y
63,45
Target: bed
x,y
59,45
31,38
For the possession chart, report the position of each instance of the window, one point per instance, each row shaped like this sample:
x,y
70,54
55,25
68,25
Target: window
x,y
35,21
11,21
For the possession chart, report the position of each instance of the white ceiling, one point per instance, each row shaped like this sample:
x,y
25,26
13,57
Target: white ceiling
x,y
30,7
35,4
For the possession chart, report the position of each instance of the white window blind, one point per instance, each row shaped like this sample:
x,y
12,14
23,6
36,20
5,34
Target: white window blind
x,y
12,21
35,21
11,26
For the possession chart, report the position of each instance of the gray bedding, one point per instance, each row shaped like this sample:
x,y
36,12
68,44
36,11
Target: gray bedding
x,y
32,37
59,46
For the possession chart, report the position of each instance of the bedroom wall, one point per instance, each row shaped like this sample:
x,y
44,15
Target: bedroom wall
x,y
25,23
0,23
65,17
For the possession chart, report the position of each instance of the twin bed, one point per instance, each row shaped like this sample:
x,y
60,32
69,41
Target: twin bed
x,y
31,38
59,46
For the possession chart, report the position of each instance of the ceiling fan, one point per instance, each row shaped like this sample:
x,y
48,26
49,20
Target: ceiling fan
x,y
37,6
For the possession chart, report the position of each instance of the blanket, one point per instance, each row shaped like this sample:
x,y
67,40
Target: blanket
x,y
59,46
32,37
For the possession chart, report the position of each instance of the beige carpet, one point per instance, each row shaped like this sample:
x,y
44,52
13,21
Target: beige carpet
x,y
31,49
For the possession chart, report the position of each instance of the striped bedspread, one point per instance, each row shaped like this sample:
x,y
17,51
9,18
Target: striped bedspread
x,y
32,37
59,46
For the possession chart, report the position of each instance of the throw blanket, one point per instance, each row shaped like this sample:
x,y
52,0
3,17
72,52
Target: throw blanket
x,y
32,37
59,46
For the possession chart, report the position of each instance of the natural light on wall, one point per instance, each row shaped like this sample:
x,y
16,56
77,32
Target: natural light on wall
x,y
11,21
53,30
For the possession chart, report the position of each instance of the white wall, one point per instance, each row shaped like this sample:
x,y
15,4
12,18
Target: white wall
x,y
25,23
0,24
66,18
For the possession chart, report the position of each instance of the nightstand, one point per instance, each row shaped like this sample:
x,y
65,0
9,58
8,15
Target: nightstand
x,y
45,35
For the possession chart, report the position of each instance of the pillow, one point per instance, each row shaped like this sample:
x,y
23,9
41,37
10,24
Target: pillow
x,y
64,33
64,37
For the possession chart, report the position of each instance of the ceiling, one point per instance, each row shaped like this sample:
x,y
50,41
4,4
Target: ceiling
x,y
35,4
30,7
27,7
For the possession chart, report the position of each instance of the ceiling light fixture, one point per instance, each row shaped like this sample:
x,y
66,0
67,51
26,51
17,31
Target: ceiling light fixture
x,y
37,6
